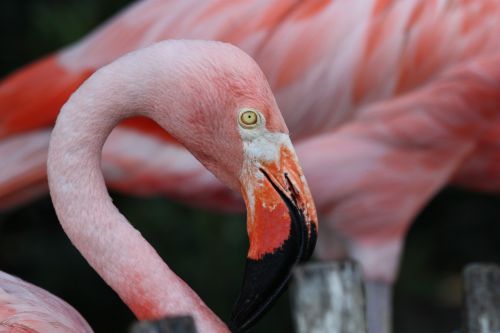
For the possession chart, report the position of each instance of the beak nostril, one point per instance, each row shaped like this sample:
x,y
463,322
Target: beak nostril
x,y
291,186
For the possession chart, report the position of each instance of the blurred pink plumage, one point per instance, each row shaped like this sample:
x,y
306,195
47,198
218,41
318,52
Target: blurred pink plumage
x,y
27,308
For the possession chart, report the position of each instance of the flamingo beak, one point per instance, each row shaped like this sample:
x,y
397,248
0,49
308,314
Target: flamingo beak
x,y
282,228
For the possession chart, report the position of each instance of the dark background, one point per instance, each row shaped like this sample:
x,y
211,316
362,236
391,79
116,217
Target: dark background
x,y
207,249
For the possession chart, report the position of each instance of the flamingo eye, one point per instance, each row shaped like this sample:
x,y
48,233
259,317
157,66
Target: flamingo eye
x,y
248,118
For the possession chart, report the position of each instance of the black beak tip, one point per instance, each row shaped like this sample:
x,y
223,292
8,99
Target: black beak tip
x,y
265,279
239,326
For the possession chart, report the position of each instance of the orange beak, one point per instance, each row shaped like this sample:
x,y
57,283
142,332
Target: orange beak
x,y
282,228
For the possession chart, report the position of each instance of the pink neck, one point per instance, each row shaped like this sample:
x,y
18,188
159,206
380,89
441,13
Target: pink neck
x,y
116,250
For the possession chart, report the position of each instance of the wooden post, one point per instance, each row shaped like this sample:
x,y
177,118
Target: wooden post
x,y
181,324
328,298
481,299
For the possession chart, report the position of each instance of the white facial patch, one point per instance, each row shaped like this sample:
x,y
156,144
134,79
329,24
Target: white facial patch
x,y
259,146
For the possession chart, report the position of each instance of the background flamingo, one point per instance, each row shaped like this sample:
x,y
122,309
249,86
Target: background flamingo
x,y
430,38
27,308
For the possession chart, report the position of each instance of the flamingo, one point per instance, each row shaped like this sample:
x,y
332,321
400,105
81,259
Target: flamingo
x,y
27,308
388,101
213,99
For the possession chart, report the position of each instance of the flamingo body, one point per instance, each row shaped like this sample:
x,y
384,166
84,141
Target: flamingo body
x,y
27,308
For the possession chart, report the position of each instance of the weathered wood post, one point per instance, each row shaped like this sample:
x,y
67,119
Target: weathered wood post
x,y
328,298
481,299
181,324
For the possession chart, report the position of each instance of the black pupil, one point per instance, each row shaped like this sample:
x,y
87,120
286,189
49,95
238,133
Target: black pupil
x,y
250,118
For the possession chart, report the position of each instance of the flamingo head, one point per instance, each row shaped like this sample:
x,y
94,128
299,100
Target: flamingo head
x,y
281,217
236,130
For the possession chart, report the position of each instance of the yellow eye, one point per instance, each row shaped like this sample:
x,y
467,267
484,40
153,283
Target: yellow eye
x,y
249,119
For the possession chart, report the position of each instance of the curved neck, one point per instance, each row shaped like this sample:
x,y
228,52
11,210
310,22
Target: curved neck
x,y
116,250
